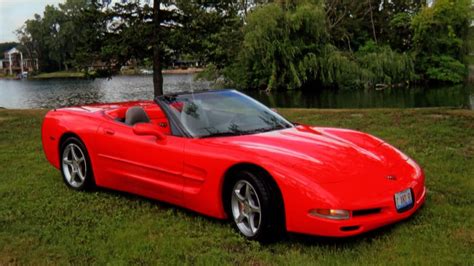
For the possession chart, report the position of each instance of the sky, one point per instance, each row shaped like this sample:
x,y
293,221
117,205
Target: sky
x,y
13,13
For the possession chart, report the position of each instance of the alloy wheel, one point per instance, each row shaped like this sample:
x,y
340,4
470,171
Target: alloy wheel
x,y
246,208
74,165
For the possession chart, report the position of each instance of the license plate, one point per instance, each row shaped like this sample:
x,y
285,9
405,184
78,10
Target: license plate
x,y
403,199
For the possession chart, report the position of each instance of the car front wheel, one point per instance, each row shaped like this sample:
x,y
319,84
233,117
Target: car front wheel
x,y
254,208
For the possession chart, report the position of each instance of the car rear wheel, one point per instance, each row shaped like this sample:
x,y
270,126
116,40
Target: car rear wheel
x,y
75,165
253,207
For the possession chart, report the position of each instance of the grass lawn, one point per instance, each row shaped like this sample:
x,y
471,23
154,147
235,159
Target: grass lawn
x,y
43,222
60,74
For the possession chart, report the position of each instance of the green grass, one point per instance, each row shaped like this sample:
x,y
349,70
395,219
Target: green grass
x,y
43,222
60,74
6,75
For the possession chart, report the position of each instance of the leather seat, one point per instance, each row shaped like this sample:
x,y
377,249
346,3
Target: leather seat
x,y
136,114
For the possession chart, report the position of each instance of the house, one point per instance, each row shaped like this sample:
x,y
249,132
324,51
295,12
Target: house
x,y
13,62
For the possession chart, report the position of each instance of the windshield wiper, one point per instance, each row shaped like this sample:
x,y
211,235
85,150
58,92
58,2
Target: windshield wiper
x,y
221,134
258,130
243,132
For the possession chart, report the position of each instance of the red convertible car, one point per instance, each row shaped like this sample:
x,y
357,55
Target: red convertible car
x,y
225,155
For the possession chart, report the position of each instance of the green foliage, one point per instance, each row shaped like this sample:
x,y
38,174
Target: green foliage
x,y
439,35
65,36
401,31
385,66
279,46
445,68
80,33
264,44
290,48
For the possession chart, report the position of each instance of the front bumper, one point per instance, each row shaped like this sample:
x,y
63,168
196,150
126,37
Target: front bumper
x,y
362,223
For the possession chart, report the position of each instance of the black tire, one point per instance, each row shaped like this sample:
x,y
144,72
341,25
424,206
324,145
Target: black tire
x,y
271,227
85,166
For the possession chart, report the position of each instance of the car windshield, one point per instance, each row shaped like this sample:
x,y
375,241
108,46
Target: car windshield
x,y
222,113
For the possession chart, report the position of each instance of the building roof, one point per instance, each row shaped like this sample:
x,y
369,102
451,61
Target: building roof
x,y
13,51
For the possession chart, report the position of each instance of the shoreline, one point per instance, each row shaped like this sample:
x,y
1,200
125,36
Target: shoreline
x,y
8,78
81,75
191,70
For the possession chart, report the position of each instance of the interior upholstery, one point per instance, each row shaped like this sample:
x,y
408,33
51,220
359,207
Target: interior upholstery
x,y
136,114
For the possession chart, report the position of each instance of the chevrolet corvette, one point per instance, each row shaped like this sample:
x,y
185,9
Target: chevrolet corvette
x,y
225,155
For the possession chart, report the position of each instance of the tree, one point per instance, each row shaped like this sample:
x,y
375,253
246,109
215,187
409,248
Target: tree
x,y
170,29
287,45
65,36
157,67
281,45
438,40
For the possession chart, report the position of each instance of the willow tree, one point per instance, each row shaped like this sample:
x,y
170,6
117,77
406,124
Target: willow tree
x,y
286,45
281,43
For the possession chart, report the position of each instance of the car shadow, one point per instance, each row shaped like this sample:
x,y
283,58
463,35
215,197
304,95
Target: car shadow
x,y
160,204
288,238
366,237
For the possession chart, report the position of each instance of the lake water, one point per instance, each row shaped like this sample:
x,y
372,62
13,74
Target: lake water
x,y
58,93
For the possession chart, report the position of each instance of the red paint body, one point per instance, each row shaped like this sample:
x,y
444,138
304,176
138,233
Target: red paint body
x,y
313,167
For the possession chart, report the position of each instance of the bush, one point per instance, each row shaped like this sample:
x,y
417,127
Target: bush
x,y
446,68
439,34
384,65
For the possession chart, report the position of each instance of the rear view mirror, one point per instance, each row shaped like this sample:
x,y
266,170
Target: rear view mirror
x,y
148,129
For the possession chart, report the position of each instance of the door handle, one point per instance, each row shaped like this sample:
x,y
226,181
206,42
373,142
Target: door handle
x,y
109,131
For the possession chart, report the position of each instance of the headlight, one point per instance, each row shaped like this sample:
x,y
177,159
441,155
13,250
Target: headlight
x,y
330,214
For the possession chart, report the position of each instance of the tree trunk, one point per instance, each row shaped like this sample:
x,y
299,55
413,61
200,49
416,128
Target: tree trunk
x,y
372,21
157,75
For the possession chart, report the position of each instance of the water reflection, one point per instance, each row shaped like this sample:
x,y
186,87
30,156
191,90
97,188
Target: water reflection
x,y
58,93
452,96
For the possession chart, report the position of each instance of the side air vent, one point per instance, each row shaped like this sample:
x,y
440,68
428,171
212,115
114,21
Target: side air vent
x,y
349,228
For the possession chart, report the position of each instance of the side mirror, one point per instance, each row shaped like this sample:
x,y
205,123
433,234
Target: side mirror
x,y
148,129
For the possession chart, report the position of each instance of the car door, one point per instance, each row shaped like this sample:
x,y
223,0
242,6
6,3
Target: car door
x,y
140,164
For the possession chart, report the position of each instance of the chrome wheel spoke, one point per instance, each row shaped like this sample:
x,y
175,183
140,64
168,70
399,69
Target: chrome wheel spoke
x,y
245,206
81,175
74,165
74,155
73,175
254,208
238,195
248,195
252,223
240,218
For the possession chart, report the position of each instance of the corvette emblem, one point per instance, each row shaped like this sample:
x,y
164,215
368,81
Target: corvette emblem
x,y
391,177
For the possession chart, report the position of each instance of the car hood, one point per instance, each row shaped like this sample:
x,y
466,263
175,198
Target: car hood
x,y
326,155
